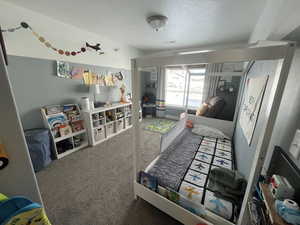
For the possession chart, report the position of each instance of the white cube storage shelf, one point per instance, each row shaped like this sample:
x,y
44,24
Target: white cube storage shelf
x,y
105,122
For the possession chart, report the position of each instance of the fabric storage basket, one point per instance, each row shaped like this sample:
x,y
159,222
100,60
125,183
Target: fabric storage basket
x,y
99,133
39,146
110,129
119,125
128,121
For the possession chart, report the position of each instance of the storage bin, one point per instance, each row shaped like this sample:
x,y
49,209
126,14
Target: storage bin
x,y
110,129
119,125
79,139
128,121
95,116
96,123
99,133
39,146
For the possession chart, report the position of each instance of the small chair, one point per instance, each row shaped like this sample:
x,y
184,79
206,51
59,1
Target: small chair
x,y
148,105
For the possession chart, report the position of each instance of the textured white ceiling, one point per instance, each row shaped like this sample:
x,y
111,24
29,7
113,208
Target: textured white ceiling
x,y
191,22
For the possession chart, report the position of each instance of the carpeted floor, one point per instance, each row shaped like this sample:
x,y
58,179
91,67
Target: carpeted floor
x,y
94,186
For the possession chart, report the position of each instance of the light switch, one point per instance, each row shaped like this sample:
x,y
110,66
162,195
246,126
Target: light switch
x,y
295,146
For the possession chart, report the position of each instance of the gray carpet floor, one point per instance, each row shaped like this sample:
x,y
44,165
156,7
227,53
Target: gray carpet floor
x,y
94,186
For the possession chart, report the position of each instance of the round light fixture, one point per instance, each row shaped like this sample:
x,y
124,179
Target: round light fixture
x,y
157,22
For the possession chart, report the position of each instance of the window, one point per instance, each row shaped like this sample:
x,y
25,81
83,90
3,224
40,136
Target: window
x,y
175,87
184,85
195,96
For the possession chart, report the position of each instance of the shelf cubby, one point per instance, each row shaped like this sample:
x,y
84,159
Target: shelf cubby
x,y
111,124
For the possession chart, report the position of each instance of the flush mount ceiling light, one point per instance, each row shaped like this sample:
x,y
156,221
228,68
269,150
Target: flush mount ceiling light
x,y
157,22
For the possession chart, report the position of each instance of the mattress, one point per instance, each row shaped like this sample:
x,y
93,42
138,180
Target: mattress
x,y
184,167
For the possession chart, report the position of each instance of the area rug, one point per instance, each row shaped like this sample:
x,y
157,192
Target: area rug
x,y
160,125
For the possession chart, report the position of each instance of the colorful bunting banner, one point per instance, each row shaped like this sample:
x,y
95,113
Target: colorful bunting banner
x,y
60,51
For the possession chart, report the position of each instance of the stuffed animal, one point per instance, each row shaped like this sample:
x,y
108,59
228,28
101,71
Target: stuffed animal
x,y
189,124
122,89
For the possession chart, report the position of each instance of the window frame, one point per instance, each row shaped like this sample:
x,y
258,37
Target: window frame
x,y
186,90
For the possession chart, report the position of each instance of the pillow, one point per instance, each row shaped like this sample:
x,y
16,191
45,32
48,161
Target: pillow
x,y
202,110
208,132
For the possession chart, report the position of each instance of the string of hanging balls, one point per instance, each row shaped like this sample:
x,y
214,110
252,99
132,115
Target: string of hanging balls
x,y
87,46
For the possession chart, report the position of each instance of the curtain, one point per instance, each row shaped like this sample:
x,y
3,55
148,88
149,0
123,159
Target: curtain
x,y
211,80
160,95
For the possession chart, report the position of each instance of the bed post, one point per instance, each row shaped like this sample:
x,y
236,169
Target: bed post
x,y
280,79
135,120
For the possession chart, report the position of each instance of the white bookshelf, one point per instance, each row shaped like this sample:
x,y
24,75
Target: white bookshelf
x,y
57,140
106,122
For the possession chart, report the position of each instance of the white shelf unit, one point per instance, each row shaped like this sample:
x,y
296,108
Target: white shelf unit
x,y
106,122
57,141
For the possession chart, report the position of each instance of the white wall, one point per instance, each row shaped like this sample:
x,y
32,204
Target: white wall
x,y
278,19
60,35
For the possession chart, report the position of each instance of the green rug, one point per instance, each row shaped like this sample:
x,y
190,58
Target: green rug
x,y
160,125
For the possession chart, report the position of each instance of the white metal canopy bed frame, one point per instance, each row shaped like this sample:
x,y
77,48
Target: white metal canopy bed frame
x,y
281,51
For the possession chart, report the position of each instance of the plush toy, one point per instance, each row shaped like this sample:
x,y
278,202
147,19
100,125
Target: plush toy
x,y
3,197
189,124
122,89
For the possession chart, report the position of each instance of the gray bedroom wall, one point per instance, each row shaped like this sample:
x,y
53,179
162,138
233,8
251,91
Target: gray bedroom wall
x,y
243,152
35,85
288,119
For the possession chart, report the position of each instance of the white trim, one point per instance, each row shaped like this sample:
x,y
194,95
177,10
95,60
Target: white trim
x,y
187,90
219,56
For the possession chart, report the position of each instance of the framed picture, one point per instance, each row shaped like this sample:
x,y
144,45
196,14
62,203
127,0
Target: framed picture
x,y
252,100
63,69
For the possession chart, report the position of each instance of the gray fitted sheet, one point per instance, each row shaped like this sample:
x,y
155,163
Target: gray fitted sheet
x,y
173,163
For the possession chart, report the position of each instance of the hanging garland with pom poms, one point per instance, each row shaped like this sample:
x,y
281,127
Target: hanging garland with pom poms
x,y
58,50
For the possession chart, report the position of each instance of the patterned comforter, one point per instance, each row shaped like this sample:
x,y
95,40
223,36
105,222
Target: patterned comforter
x,y
185,168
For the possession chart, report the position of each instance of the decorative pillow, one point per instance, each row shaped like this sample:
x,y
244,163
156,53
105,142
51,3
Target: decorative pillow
x,y
202,110
208,132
